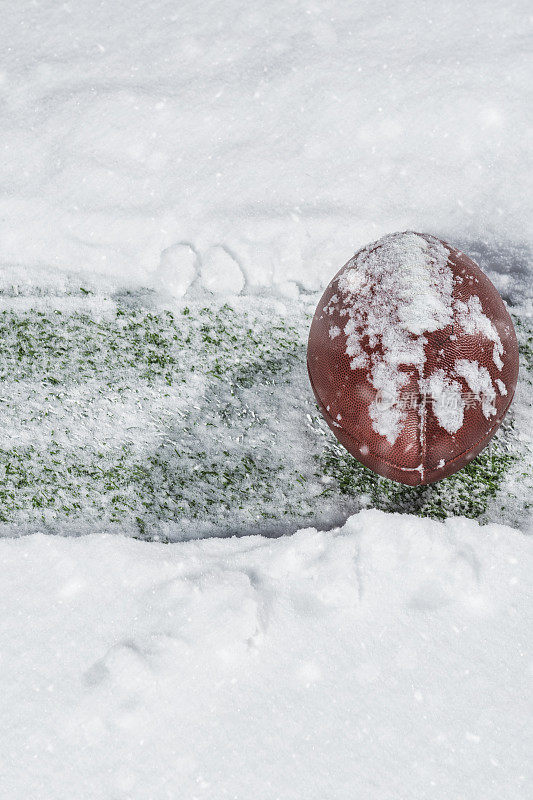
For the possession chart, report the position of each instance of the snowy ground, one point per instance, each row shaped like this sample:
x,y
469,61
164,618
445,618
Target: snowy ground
x,y
178,182
389,658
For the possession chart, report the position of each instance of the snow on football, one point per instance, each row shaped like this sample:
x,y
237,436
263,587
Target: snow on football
x,y
412,357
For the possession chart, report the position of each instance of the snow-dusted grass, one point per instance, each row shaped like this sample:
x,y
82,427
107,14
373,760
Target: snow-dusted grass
x,y
196,420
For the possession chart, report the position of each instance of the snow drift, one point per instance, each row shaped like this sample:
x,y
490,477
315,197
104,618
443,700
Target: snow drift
x,y
387,658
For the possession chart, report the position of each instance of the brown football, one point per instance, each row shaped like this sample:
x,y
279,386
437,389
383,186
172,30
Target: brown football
x,y
412,357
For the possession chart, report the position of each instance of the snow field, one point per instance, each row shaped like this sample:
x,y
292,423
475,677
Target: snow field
x,y
291,136
388,658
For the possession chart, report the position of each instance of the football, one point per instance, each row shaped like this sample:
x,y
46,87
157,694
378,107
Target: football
x,y
412,357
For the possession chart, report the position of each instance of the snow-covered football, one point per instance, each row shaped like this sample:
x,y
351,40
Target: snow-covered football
x,y
412,357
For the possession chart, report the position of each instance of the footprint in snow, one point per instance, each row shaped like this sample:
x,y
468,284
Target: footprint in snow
x,y
124,667
177,269
220,273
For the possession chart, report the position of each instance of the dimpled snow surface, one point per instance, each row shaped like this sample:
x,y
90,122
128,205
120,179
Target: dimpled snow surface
x,y
204,595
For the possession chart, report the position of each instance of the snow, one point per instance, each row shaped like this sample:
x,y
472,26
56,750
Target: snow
x,y
411,274
472,320
398,286
386,411
177,270
392,653
447,402
220,273
479,382
393,291
178,184
127,131
501,386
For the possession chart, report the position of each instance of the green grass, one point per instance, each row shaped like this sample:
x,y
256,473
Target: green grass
x,y
201,420
467,493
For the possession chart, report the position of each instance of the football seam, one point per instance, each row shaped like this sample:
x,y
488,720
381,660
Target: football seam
x,y
410,469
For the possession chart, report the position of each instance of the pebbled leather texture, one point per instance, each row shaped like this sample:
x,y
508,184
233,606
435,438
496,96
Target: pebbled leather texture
x,y
424,451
